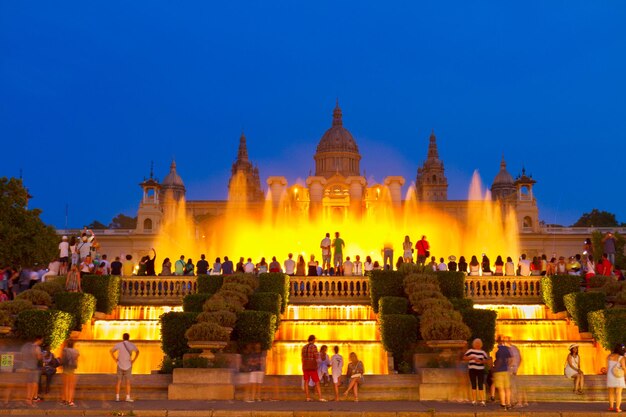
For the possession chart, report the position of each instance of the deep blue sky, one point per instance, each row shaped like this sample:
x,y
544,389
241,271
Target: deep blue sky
x,y
91,92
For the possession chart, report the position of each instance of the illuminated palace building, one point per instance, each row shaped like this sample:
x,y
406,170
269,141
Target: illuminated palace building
x,y
338,197
256,222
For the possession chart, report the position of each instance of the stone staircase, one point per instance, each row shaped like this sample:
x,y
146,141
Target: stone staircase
x,y
440,385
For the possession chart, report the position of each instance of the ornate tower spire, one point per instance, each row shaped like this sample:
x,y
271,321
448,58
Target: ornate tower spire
x,y
433,153
242,153
337,117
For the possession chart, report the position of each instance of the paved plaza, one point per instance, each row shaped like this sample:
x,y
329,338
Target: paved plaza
x,y
158,408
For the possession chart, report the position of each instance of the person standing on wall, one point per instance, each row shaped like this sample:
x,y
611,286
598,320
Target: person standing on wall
x,y
325,246
124,360
423,251
338,245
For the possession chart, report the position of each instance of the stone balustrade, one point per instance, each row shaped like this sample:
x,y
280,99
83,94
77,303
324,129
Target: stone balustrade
x,y
332,289
156,290
504,290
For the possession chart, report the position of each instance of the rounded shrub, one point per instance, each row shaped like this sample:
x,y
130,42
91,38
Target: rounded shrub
x,y
223,318
6,319
204,331
15,307
51,287
37,297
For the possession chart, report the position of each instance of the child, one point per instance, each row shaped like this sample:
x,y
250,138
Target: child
x,y
336,361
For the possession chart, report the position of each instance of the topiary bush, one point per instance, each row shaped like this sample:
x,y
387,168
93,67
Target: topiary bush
x,y
195,302
598,281
482,324
607,326
204,331
554,288
15,307
393,305
173,327
250,280
398,332
579,304
385,283
234,286
80,305
410,268
6,319
443,329
278,283
451,283
223,318
218,303
53,325
106,289
51,287
209,284
233,296
266,301
37,297
462,304
255,326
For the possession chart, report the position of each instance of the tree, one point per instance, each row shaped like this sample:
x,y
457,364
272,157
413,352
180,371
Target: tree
x,y
25,240
122,221
597,218
95,225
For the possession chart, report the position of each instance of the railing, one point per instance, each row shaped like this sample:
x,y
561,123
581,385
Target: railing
x,y
309,290
507,289
156,290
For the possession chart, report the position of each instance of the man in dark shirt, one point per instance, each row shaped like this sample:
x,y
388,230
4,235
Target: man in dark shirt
x,y
501,378
227,266
116,267
240,265
202,266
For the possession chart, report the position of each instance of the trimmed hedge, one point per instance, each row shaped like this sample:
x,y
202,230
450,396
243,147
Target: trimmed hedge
x,y
482,323
173,327
451,283
266,301
278,283
554,288
51,287
15,307
80,305
37,297
579,304
53,325
106,289
255,326
385,284
209,284
462,304
192,303
607,326
398,332
393,305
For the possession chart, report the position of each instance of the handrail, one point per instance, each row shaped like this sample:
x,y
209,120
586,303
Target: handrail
x,y
155,290
514,289
320,289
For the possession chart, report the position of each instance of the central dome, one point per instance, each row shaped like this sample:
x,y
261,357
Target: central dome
x,y
337,138
337,152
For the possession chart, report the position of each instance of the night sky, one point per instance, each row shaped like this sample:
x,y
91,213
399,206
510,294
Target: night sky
x,y
92,92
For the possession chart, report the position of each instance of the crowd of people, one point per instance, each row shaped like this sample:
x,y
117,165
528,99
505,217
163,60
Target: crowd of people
x,y
79,256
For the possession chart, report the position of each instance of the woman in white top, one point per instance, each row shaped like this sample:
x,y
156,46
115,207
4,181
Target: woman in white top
x,y
572,369
407,247
509,267
474,266
368,266
614,383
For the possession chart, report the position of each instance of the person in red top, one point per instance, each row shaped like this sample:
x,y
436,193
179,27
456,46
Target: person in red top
x,y
604,267
310,357
423,252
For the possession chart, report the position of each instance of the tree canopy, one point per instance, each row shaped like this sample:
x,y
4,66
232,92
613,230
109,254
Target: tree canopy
x,y
24,239
96,225
122,221
597,218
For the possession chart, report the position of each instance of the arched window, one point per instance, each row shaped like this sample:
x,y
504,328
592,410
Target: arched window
x,y
147,225
528,223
